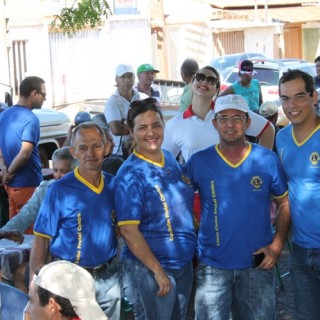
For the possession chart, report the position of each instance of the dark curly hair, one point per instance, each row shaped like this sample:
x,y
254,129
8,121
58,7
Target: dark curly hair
x,y
142,106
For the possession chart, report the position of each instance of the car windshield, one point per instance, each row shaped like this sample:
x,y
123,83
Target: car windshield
x,y
266,77
224,62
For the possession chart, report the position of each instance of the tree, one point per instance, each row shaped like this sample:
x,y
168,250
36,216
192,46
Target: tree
x,y
82,13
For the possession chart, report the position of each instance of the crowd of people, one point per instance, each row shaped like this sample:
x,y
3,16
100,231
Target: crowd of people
x,y
148,212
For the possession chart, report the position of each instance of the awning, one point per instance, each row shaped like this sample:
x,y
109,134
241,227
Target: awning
x,y
291,15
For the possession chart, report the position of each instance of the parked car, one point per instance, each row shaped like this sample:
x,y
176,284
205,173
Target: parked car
x,y
268,72
54,127
225,64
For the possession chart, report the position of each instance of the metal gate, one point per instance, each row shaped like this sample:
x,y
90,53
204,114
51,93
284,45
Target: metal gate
x,y
228,43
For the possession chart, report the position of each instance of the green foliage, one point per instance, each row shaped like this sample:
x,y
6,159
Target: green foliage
x,y
86,13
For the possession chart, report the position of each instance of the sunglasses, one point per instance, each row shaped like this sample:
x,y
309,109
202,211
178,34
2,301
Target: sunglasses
x,y
42,94
200,77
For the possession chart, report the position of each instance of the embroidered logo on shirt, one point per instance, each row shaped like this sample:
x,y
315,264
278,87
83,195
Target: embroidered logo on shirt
x,y
186,179
256,182
314,158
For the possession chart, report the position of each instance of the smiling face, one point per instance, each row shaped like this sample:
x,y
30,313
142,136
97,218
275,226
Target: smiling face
x,y
203,88
231,125
148,133
298,112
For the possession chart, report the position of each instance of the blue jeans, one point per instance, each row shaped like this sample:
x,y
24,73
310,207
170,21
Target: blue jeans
x,y
108,291
141,290
249,294
305,275
12,302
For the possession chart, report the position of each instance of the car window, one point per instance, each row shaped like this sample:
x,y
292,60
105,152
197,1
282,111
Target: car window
x,y
267,77
224,62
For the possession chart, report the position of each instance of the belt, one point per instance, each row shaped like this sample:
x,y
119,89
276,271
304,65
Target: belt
x,y
97,269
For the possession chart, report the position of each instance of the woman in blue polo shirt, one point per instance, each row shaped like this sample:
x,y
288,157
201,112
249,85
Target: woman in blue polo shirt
x,y
153,201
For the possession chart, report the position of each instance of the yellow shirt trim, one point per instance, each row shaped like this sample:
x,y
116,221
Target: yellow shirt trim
x,y
42,235
280,197
98,189
128,222
238,163
142,157
306,139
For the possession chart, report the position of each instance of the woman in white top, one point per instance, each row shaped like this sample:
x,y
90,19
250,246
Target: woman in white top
x,y
192,130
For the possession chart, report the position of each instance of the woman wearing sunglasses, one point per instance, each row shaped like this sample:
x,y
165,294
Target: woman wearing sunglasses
x,y
153,202
192,130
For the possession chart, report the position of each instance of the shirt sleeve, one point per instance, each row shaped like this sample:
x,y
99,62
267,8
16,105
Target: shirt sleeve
x,y
170,138
31,131
111,110
49,215
129,196
258,124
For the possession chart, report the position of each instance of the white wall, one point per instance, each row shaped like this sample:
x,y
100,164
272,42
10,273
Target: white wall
x,y
259,39
130,42
187,41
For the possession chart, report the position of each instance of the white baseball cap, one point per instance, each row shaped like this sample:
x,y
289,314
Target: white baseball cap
x,y
74,283
268,109
231,101
123,68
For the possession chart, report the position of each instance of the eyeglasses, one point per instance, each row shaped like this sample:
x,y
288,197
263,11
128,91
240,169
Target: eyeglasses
x,y
200,77
298,98
42,94
234,119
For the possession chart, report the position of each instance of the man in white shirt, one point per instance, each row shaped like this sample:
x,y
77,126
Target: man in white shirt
x,y
117,106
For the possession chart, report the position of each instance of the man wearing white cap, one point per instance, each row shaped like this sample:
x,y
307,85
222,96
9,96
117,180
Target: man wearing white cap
x,y
236,248
117,106
62,290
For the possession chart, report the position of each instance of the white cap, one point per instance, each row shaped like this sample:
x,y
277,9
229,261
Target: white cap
x,y
268,109
231,101
74,283
123,68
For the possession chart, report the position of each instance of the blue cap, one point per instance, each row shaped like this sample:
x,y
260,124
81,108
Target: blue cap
x,y
82,116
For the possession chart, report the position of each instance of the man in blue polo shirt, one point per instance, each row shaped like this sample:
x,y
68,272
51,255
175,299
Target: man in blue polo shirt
x,y
236,248
19,136
76,220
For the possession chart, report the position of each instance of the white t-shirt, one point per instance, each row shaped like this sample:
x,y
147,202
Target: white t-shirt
x,y
189,134
116,109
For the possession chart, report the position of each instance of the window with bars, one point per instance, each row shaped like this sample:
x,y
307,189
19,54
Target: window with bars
x,y
19,52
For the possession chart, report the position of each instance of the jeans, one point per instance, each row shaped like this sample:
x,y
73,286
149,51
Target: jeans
x,y
12,302
141,290
249,294
305,276
108,291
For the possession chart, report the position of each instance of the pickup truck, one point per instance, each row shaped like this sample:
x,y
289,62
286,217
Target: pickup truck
x,y
54,127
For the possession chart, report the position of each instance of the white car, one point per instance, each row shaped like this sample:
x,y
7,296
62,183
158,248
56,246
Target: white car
x,y
268,72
